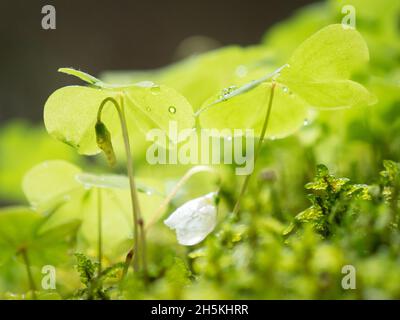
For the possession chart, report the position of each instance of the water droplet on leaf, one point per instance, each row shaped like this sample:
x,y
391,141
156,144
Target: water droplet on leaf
x,y
227,91
146,84
155,90
172,109
241,71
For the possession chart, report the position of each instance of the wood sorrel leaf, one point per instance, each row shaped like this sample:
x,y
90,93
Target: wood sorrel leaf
x,y
70,113
63,189
21,228
321,67
156,106
198,77
317,76
48,181
248,111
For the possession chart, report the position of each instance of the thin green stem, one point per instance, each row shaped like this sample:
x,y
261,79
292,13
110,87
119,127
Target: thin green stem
x,y
257,151
134,196
143,241
32,285
99,229
129,166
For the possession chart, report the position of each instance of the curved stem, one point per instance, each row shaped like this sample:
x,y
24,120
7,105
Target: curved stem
x,y
32,285
158,213
129,166
258,149
99,229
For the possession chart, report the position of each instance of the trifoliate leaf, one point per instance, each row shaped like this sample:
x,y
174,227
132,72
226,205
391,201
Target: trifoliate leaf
x,y
248,111
321,68
70,113
24,229
198,77
317,76
68,193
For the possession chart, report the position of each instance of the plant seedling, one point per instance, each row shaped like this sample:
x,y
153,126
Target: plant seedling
x,y
316,76
102,202
76,115
26,234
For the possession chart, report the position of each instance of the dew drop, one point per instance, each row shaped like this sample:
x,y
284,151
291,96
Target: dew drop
x,y
306,122
155,90
148,109
145,84
225,92
285,89
172,109
241,71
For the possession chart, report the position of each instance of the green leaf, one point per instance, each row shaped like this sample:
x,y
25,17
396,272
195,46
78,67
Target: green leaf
x,y
112,181
154,107
320,69
17,228
198,77
83,76
232,92
20,230
70,194
317,76
50,181
248,110
70,115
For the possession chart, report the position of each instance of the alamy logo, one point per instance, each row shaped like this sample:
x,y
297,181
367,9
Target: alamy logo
x,y
349,19
49,18
206,146
49,278
349,280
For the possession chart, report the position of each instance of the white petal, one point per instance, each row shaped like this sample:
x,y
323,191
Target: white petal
x,y
194,220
